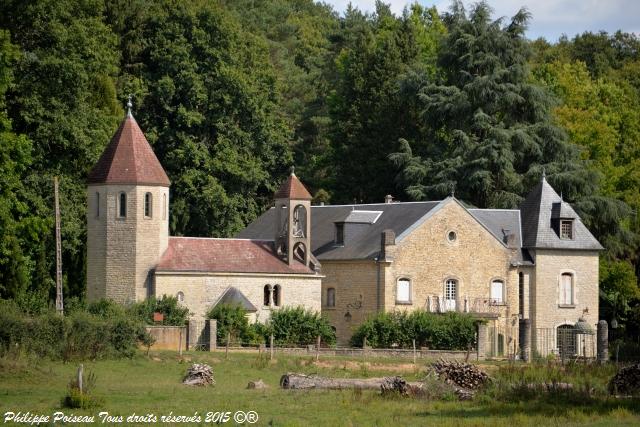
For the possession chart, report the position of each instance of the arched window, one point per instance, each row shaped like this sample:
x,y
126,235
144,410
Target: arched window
x,y
148,205
164,206
299,221
267,295
403,291
331,297
180,296
277,295
122,205
97,205
566,289
450,294
497,292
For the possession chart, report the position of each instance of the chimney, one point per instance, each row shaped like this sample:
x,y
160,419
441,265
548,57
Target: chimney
x,y
387,239
388,198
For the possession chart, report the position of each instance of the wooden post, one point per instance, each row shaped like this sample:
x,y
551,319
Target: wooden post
x,y
59,300
226,352
271,347
80,374
414,351
364,348
180,342
318,349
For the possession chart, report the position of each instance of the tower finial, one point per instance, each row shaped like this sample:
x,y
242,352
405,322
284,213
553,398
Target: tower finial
x,y
129,105
293,171
453,189
544,174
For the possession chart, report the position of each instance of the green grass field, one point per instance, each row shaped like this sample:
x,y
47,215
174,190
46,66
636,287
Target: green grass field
x,y
152,385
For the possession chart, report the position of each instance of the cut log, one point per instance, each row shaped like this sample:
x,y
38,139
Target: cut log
x,y
256,385
294,381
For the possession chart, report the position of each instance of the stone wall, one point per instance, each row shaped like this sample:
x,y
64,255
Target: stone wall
x,y
356,284
122,251
545,289
202,290
168,337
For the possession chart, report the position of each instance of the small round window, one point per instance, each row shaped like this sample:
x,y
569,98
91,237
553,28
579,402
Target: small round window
x,y
452,236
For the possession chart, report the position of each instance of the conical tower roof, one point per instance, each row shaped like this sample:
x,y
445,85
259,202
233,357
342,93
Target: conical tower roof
x,y
292,188
128,159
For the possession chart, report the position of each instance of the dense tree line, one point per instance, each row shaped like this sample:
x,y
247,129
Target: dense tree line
x,y
230,94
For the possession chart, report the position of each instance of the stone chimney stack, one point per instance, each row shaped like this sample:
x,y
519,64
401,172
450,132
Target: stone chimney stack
x,y
388,199
387,245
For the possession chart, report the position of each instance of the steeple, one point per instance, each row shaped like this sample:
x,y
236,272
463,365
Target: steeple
x,y
293,225
128,159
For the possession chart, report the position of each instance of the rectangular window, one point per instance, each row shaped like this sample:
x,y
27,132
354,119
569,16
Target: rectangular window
x,y
566,289
497,292
566,229
148,205
404,291
340,234
122,205
331,297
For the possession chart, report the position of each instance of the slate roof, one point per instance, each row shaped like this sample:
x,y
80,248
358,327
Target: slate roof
x,y
128,159
395,216
363,217
194,254
537,212
233,296
292,188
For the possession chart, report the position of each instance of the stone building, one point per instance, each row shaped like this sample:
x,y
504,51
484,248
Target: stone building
x,y
538,262
537,265
130,255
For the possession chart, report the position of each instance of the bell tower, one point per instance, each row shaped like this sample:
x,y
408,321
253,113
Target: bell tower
x,y
127,217
293,223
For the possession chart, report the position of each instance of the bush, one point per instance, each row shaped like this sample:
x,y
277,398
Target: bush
x,y
80,335
448,331
232,320
297,326
174,313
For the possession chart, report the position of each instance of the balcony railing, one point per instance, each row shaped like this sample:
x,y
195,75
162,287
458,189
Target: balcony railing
x,y
438,304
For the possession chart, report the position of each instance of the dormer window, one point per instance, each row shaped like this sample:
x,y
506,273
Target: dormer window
x,y
566,229
340,234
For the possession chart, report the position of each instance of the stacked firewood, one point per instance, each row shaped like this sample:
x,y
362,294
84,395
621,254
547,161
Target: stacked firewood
x,y
626,381
463,375
199,374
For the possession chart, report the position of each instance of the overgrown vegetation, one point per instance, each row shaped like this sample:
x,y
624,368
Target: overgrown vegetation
x,y
80,335
449,331
290,326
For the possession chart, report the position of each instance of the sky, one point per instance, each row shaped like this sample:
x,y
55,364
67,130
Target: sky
x,y
550,18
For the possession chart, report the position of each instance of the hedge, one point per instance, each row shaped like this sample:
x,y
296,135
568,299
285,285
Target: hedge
x,y
447,331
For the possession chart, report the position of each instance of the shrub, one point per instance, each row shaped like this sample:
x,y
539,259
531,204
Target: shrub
x,y
77,336
448,331
81,399
174,313
232,320
297,326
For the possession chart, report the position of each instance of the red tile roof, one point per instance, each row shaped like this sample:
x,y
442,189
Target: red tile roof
x,y
292,188
225,255
128,159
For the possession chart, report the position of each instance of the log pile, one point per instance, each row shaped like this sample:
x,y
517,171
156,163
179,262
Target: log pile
x,y
463,375
626,381
199,374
